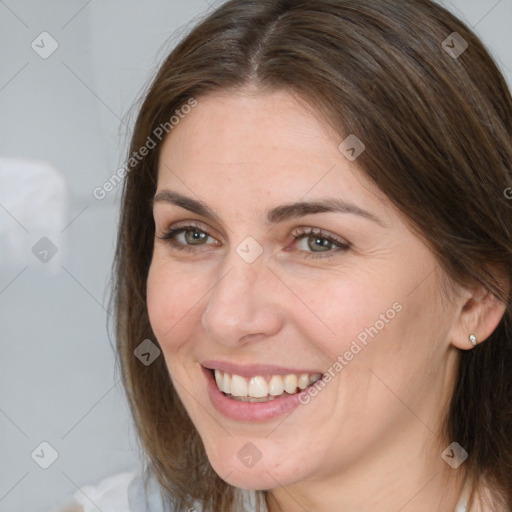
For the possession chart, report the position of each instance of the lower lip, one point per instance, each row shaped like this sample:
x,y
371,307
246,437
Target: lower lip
x,y
248,411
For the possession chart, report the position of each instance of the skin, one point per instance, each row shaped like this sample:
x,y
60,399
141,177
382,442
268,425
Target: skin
x,y
371,438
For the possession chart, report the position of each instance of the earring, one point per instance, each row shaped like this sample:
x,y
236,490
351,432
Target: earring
x,y
472,338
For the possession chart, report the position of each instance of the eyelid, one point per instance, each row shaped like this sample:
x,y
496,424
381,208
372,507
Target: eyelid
x,y
321,233
187,224
296,232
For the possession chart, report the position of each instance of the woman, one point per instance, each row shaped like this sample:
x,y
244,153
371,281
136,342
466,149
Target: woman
x,y
314,262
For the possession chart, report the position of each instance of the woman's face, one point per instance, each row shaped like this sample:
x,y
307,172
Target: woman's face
x,y
295,267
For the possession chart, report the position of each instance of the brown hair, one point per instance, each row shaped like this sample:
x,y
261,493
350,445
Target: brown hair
x,y
437,130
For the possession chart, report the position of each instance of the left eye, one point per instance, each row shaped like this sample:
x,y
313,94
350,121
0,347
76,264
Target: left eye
x,y
317,241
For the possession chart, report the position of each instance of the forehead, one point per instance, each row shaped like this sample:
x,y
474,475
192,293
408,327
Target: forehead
x,y
273,143
253,120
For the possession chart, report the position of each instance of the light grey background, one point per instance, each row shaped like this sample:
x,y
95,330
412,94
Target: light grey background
x,y
72,111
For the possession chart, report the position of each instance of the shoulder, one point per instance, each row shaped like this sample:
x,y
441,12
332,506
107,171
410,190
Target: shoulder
x,y
132,491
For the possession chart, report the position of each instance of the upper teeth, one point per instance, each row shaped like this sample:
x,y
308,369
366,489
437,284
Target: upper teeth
x,y
258,387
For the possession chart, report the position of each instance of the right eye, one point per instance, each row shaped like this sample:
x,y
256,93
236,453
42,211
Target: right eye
x,y
184,237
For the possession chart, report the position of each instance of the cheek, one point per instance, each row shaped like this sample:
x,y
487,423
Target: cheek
x,y
345,309
172,300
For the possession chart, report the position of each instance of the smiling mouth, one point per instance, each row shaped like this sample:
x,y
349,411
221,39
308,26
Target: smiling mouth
x,y
263,388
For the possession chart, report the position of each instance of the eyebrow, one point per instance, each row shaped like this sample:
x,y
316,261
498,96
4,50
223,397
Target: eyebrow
x,y
275,215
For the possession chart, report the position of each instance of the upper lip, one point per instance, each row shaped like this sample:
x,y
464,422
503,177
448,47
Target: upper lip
x,y
252,370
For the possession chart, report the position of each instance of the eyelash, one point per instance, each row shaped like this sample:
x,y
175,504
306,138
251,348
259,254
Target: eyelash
x,y
298,234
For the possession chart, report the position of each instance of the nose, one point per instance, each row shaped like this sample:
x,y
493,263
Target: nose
x,y
243,305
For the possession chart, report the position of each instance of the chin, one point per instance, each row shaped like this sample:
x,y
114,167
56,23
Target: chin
x,y
263,474
249,481
252,479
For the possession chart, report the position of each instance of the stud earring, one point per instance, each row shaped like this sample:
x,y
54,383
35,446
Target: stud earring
x,y
472,338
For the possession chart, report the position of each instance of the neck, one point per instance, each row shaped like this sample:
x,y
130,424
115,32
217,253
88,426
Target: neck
x,y
409,486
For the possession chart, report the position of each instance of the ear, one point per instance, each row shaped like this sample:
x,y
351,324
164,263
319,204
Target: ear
x,y
480,314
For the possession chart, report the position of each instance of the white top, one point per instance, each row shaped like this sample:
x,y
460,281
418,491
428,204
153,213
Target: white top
x,y
124,492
